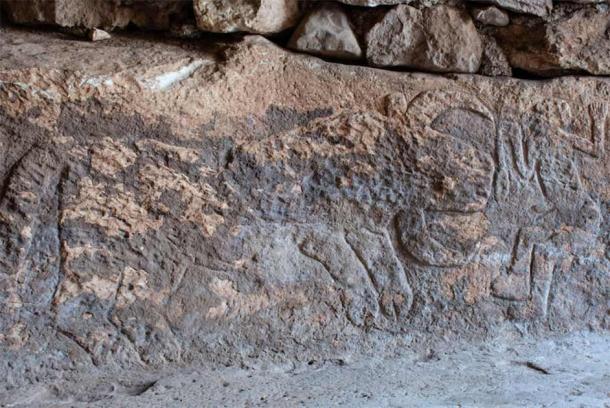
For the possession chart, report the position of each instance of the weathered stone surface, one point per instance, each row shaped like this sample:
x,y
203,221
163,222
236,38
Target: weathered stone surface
x,y
161,205
326,31
540,8
491,16
576,41
252,16
438,39
95,13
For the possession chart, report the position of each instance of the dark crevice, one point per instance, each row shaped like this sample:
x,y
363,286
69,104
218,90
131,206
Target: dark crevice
x,y
533,366
75,340
140,389
61,260
519,73
531,76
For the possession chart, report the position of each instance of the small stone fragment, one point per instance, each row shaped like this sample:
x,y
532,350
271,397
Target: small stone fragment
x,y
327,32
97,35
260,17
540,8
438,39
492,16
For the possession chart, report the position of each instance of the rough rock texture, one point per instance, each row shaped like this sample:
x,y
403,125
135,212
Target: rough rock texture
x,y
539,8
438,39
162,205
573,41
326,31
96,13
252,16
494,61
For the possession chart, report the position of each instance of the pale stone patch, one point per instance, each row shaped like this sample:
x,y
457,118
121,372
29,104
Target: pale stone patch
x,y
69,289
27,195
102,288
72,253
134,287
115,213
62,140
14,301
200,198
26,232
361,129
111,156
16,337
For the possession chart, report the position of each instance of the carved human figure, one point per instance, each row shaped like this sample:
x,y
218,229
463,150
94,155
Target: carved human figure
x,y
539,190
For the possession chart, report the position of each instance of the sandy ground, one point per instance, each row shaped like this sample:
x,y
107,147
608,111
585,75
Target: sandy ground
x,y
571,371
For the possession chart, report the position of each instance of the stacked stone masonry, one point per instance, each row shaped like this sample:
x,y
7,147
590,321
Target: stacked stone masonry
x,y
490,37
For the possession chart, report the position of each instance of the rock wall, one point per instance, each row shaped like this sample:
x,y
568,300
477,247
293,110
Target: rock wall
x,y
489,37
178,197
164,204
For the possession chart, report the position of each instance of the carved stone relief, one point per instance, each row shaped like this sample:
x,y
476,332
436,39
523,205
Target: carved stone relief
x,y
539,189
441,211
